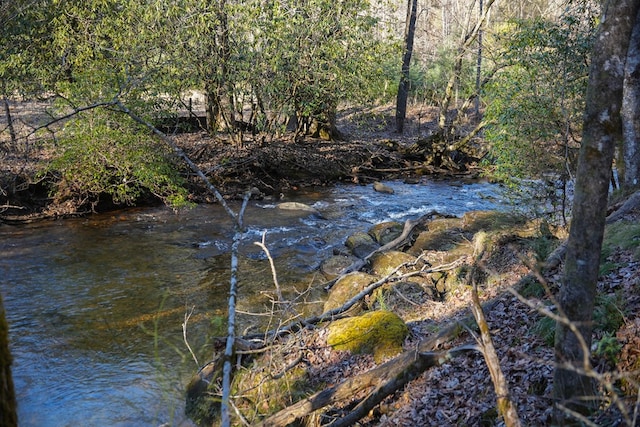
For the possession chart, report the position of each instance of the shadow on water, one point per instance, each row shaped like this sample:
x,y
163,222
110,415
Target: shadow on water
x,y
96,305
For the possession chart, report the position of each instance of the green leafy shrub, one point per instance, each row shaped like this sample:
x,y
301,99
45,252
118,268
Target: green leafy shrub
x,y
535,102
101,155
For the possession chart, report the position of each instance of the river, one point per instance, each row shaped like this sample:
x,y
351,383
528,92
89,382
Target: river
x,y
95,305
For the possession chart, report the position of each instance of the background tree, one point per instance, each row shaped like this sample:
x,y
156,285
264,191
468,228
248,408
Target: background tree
x,y
573,386
403,86
26,66
629,166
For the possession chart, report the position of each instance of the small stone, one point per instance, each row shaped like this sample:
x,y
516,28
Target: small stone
x,y
381,188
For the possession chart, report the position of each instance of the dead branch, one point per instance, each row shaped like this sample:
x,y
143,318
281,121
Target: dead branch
x,y
263,246
187,316
629,205
336,312
505,406
383,380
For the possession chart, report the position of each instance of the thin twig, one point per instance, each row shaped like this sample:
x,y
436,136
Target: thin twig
x,y
264,248
187,316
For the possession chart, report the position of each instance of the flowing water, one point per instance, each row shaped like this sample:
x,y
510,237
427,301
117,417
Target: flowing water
x,y
96,305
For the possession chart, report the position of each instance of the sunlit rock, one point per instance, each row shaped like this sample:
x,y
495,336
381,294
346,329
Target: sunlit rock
x,y
380,333
381,188
385,263
346,288
386,232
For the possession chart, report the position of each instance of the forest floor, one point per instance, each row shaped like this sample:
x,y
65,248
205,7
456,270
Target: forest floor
x,y
457,393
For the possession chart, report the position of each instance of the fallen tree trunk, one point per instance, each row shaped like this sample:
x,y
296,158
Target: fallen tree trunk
x,y
383,380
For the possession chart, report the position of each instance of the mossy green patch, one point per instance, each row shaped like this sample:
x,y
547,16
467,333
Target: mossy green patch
x,y
268,389
475,221
380,333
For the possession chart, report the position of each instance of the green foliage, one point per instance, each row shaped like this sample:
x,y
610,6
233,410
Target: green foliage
x,y
543,246
608,347
427,81
101,156
535,103
545,328
621,235
27,65
532,289
309,58
608,314
608,317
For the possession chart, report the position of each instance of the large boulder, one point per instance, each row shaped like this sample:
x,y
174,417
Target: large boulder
x,y
346,288
380,333
361,244
386,232
385,263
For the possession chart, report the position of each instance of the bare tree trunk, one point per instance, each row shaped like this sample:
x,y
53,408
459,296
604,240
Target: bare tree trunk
x,y
7,113
479,64
457,67
403,87
8,415
631,113
602,128
219,93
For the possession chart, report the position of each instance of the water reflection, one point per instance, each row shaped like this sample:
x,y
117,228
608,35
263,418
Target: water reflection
x,y
96,305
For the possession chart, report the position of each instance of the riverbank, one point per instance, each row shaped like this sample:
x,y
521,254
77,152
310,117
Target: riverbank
x,y
369,151
295,376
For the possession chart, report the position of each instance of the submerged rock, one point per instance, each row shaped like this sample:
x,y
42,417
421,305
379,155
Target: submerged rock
x,y
381,188
334,266
361,244
380,333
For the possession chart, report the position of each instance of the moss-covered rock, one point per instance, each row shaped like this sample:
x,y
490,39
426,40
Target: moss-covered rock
x,y
332,267
270,387
384,263
361,244
380,333
440,224
346,288
386,232
475,221
440,240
